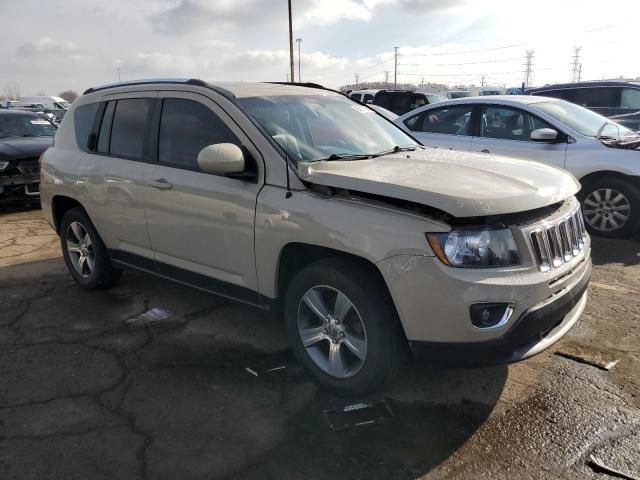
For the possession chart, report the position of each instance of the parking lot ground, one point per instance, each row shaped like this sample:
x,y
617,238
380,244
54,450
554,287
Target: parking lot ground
x,y
87,393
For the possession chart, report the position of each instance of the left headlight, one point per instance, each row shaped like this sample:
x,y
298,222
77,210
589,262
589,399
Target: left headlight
x,y
3,165
475,248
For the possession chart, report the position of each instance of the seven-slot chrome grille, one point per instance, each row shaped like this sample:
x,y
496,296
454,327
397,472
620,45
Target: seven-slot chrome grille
x,y
557,242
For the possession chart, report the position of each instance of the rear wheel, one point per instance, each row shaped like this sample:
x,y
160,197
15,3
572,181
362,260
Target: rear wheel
x,y
343,327
611,207
84,252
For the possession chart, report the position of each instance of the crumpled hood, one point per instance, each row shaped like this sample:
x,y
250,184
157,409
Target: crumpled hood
x,y
23,147
462,184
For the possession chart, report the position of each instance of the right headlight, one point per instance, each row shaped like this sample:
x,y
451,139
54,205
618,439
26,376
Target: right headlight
x,y
475,248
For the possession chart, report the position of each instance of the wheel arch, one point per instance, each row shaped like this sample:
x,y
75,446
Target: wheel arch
x,y
295,256
61,204
593,177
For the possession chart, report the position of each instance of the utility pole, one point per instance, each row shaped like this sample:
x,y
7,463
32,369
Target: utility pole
x,y
291,45
482,81
580,72
357,78
287,78
422,83
299,41
395,69
575,64
118,73
386,78
528,67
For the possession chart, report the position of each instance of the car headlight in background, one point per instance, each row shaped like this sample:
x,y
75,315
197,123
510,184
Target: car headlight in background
x,y
3,165
475,248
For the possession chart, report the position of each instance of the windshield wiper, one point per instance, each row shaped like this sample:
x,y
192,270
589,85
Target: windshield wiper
x,y
348,156
362,156
395,149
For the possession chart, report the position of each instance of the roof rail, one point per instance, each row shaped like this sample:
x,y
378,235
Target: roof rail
x,y
308,85
150,81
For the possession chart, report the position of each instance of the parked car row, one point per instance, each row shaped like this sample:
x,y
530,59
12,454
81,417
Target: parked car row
x,y
600,153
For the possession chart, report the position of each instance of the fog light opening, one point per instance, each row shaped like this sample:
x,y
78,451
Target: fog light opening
x,y
490,315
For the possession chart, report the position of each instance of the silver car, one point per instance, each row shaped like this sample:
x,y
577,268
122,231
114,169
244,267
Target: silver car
x,y
603,155
304,202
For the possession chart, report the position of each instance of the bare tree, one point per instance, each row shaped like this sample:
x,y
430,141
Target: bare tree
x,y
12,90
40,93
69,95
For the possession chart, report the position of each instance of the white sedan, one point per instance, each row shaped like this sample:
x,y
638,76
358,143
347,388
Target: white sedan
x,y
603,155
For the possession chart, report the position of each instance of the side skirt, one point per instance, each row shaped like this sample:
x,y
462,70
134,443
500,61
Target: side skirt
x,y
191,279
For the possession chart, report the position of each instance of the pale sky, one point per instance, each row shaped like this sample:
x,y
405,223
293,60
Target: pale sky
x,y
53,45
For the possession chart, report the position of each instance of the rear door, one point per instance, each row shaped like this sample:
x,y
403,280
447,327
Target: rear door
x,y
201,225
111,175
507,131
446,127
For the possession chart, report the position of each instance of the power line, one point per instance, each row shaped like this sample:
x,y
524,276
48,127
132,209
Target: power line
x,y
504,47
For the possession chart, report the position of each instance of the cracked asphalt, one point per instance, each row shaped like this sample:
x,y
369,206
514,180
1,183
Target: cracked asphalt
x,y
87,394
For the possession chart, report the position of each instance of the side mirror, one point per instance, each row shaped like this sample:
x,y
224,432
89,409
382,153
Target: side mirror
x,y
544,135
221,158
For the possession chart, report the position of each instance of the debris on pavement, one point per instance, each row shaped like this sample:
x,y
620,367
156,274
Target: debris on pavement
x,y
598,464
588,356
358,415
252,372
150,317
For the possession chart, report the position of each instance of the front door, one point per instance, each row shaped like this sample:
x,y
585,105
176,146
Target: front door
x,y
201,225
507,131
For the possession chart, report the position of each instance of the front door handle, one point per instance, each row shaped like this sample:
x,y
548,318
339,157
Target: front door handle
x,y
160,184
485,151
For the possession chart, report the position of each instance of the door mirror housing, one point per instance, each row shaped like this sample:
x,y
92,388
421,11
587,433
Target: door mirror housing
x,y
221,158
544,135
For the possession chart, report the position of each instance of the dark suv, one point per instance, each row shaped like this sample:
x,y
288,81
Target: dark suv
x,y
400,101
23,137
616,99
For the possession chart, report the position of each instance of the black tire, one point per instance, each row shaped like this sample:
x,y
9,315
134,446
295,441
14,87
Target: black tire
x,y
103,275
364,287
632,194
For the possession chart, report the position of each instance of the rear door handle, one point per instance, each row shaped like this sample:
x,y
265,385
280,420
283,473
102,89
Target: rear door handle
x,y
160,184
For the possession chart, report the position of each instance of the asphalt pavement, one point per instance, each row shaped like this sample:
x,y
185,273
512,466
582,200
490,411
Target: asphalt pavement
x,y
92,386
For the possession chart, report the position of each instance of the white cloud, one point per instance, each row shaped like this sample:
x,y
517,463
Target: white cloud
x,y
46,46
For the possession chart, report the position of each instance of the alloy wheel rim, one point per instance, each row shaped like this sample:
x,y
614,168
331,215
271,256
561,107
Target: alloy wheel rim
x,y
332,331
80,249
606,209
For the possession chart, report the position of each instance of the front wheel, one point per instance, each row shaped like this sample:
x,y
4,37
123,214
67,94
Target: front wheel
x,y
343,327
611,207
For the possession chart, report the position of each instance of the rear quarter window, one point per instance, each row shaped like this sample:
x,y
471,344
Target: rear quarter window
x,y
83,119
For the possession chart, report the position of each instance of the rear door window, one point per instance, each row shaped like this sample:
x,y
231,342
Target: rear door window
x,y
105,128
186,127
129,127
455,120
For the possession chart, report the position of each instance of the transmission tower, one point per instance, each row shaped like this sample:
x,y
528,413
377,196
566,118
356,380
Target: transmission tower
x,y
576,65
528,67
